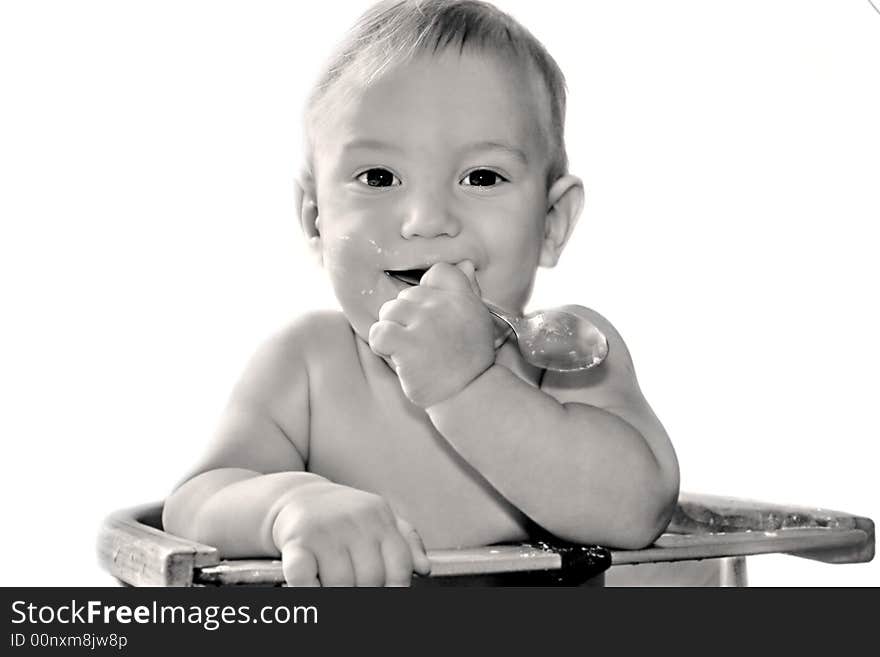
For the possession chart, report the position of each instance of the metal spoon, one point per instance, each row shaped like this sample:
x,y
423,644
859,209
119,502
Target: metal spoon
x,y
553,339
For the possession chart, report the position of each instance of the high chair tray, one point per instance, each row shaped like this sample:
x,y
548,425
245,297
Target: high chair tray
x,y
134,549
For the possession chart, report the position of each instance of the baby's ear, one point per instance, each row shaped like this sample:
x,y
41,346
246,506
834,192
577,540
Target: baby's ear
x,y
307,210
565,200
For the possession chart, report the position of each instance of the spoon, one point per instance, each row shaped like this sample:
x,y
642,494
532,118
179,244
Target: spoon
x,y
553,339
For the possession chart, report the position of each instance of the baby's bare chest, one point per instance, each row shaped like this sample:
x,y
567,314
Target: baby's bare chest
x,y
364,433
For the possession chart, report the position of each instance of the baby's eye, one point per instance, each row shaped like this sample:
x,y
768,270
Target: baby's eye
x,y
379,177
483,178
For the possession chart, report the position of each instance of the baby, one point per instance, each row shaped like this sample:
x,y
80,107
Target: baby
x,y
410,419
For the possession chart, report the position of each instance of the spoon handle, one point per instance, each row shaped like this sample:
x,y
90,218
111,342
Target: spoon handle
x,y
505,317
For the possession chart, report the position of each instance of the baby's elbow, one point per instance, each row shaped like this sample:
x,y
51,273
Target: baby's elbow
x,y
632,524
629,517
181,508
651,516
173,515
655,504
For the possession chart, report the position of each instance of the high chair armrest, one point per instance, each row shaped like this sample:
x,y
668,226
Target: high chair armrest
x,y
135,551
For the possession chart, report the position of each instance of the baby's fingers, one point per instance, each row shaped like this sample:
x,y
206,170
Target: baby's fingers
x,y
368,563
398,561
335,567
385,338
300,565
444,276
467,268
419,557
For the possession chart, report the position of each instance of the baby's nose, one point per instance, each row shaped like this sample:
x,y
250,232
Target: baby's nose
x,y
429,217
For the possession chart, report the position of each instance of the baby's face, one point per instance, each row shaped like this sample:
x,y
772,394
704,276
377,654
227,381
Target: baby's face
x,y
443,159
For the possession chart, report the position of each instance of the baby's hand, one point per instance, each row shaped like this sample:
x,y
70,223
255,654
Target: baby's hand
x,y
438,335
333,535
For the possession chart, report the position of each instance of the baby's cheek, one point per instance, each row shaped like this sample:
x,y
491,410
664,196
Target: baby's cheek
x,y
514,265
351,262
361,235
340,253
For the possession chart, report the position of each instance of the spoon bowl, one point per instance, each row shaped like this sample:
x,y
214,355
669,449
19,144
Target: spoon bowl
x,y
556,339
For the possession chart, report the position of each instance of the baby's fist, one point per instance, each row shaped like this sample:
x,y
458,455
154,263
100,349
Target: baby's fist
x,y
438,335
334,535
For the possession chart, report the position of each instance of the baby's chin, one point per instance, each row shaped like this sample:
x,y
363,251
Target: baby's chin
x,y
359,325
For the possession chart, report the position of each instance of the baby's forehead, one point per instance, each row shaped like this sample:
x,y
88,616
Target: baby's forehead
x,y
477,94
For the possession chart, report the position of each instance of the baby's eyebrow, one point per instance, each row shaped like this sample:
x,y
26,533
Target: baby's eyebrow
x,y
370,144
509,149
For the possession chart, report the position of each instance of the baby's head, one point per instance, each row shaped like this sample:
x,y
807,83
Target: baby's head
x,y
436,135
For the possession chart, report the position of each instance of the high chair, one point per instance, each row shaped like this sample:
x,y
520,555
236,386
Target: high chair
x,y
705,544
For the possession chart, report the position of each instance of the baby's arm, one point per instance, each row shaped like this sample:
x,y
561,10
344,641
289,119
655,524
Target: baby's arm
x,y
584,456
326,534
251,495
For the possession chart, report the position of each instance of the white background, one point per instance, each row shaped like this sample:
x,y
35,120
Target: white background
x,y
731,154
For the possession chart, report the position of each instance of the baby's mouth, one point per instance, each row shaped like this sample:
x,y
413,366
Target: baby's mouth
x,y
408,276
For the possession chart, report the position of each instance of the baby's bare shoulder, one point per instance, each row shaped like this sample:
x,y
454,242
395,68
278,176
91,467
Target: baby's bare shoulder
x,y
279,370
305,341
315,329
268,410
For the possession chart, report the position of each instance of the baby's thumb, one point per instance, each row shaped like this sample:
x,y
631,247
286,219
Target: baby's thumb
x,y
421,564
446,276
468,269
300,565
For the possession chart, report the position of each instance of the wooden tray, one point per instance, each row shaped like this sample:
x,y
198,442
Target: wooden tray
x,y
134,549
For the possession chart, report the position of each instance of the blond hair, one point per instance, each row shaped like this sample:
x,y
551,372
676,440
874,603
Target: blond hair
x,y
393,31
